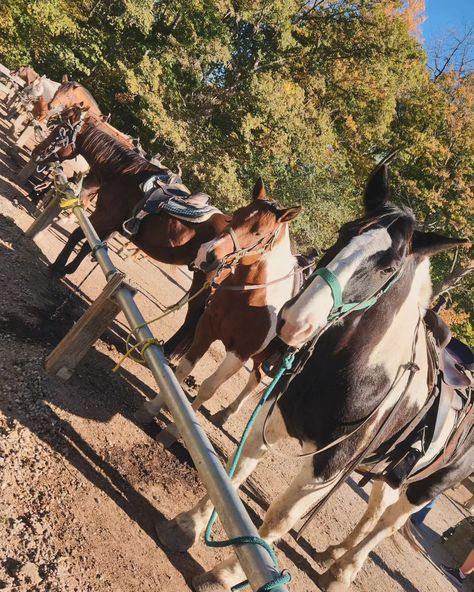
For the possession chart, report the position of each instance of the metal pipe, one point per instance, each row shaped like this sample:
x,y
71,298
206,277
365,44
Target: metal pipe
x,y
254,560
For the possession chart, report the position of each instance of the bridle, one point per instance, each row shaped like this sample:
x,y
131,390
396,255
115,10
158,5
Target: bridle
x,y
340,308
66,136
262,245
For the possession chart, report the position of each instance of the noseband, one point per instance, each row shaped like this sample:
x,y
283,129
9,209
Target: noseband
x,y
339,308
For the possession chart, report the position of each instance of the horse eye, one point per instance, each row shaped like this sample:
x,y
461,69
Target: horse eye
x,y
389,270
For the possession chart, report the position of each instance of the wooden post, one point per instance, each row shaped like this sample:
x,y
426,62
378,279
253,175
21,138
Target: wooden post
x,y
19,124
469,505
46,217
27,170
64,358
4,90
26,136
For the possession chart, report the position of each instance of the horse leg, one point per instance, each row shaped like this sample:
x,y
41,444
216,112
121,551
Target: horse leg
x,y
381,496
59,265
345,569
102,233
230,366
221,417
304,491
227,368
202,341
182,532
180,342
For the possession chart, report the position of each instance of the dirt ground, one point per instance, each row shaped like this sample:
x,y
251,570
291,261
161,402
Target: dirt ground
x,y
81,484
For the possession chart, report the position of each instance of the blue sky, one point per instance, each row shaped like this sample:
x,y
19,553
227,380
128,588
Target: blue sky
x,y
444,15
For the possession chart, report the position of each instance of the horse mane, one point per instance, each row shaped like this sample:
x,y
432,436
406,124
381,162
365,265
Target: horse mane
x,y
105,151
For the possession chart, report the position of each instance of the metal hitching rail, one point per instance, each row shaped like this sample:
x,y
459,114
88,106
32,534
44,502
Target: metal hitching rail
x,y
255,561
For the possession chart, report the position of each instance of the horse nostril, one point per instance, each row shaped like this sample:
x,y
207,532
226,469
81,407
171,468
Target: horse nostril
x,y
210,257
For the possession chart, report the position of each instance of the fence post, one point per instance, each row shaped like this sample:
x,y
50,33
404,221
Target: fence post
x,y
73,347
46,217
26,136
28,170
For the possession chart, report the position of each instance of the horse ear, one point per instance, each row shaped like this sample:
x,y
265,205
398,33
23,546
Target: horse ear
x,y
65,78
287,214
377,192
427,244
259,190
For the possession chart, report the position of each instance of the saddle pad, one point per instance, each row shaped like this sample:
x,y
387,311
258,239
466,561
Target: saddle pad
x,y
189,213
165,192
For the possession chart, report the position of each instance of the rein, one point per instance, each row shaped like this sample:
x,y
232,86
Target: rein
x,y
245,287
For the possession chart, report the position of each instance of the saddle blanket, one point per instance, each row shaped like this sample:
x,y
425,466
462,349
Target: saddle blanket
x,y
167,193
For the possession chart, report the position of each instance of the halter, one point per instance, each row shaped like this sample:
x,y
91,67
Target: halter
x,y
67,137
241,252
339,308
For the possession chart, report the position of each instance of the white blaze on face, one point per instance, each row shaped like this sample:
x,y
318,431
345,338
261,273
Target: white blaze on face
x,y
308,315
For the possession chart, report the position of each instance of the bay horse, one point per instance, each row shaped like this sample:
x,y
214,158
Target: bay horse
x,y
256,244
118,172
358,322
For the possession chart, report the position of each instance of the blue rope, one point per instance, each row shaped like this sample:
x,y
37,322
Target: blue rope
x,y
284,577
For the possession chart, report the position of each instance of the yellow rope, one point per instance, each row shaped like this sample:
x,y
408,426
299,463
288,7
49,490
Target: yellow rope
x,y
67,191
143,345
69,203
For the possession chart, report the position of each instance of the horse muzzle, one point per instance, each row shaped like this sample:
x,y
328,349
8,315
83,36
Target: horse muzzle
x,y
211,263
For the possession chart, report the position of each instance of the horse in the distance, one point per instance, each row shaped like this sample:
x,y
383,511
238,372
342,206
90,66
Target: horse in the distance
x,y
118,173
242,311
26,73
364,374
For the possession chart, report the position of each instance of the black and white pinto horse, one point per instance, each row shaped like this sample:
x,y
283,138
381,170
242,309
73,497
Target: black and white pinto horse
x,y
354,374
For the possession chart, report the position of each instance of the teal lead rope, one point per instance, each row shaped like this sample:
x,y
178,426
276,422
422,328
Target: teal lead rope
x,y
284,577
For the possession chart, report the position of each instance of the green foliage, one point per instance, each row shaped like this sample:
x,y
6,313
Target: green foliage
x,y
307,94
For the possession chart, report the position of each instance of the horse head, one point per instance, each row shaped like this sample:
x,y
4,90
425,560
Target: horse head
x,y
71,94
252,230
370,256
61,142
33,91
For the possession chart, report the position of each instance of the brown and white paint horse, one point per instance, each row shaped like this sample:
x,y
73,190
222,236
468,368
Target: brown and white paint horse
x,y
355,369
257,245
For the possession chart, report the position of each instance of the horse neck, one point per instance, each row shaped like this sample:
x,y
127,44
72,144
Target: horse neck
x,y
115,133
397,340
67,97
362,366
370,351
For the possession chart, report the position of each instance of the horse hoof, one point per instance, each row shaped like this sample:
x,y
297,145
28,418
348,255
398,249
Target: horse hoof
x,y
143,417
327,583
220,418
173,537
168,436
207,582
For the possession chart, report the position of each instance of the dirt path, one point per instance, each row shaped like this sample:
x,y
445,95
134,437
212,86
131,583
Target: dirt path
x,y
81,485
